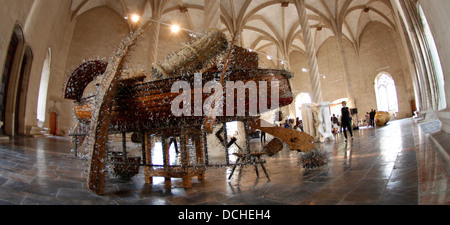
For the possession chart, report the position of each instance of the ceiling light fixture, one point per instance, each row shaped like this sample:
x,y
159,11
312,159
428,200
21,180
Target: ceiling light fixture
x,y
135,18
175,28
269,58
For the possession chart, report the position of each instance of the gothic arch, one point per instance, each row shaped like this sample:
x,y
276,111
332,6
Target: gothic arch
x,y
15,78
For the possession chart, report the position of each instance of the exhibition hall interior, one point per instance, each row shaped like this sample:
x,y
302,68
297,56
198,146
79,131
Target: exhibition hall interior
x,y
225,102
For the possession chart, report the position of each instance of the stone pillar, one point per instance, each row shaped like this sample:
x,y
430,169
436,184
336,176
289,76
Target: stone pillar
x,y
347,81
426,74
319,125
437,16
212,13
157,12
316,94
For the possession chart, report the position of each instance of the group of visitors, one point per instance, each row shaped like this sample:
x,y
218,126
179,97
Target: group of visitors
x,y
370,118
344,125
346,121
289,123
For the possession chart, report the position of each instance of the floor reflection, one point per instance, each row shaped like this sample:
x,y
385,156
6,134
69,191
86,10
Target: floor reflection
x,y
395,164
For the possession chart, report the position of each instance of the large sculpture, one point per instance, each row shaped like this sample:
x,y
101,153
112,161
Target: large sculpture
x,y
124,103
316,120
382,118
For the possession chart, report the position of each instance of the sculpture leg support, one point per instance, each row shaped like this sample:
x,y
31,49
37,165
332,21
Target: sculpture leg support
x,y
101,115
148,158
165,149
96,178
234,167
199,155
185,158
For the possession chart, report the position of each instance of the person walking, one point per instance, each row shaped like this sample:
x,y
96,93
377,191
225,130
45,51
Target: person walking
x,y
346,120
263,137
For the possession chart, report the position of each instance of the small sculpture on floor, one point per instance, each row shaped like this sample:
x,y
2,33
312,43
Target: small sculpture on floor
x,y
313,159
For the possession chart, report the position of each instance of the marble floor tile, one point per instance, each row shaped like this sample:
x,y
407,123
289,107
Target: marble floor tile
x,y
395,164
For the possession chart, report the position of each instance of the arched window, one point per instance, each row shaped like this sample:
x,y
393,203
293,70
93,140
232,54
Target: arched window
x,y
386,93
301,99
43,88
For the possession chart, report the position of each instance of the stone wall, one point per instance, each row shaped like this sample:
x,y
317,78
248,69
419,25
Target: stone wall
x,y
96,33
44,24
377,49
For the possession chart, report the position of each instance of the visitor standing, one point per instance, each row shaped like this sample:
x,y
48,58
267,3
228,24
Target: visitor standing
x,y
286,124
346,120
372,117
263,137
297,123
334,123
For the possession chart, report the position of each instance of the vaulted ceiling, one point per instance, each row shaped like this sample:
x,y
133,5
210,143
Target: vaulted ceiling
x,y
267,26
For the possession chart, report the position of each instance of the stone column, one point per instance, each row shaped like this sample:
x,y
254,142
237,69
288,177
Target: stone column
x,y
154,39
212,13
316,94
347,81
157,12
438,17
320,112
426,76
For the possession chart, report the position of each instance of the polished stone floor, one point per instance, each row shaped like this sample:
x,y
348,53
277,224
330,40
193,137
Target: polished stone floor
x,y
395,164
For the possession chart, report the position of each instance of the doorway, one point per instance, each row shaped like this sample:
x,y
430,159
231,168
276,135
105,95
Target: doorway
x,y
302,98
14,84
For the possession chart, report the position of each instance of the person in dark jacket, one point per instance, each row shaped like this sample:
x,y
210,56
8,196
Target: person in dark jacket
x,y
346,120
372,117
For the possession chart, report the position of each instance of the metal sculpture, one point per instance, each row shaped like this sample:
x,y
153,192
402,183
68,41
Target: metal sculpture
x,y
124,103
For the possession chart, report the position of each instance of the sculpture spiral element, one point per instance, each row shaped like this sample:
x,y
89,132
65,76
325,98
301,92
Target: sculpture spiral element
x,y
310,51
98,137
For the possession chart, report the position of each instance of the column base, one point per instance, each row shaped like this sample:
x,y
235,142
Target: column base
x,y
444,117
